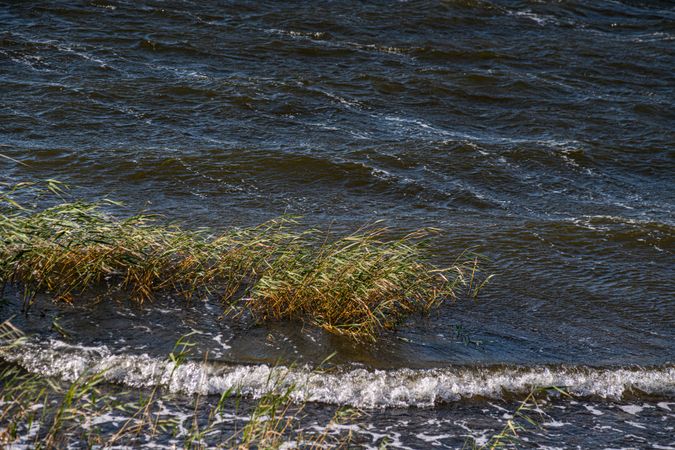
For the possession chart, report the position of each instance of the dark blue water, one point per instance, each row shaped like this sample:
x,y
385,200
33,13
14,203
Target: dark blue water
x,y
539,133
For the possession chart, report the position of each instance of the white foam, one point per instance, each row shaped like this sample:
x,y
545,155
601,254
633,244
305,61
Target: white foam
x,y
555,424
430,438
593,411
636,425
219,339
665,405
357,387
632,409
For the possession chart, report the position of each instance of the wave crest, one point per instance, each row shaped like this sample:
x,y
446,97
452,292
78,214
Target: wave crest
x,y
357,387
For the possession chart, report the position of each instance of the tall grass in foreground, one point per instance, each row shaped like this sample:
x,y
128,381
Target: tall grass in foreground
x,y
356,285
46,414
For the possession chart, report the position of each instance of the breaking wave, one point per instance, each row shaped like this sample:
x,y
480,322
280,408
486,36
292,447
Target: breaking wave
x,y
355,386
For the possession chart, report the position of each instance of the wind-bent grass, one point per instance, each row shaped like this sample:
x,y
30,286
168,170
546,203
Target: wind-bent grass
x,y
357,285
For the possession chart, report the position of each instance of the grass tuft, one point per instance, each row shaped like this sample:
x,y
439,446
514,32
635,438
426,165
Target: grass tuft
x,y
356,285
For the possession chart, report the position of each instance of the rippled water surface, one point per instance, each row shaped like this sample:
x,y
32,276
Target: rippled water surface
x,y
539,133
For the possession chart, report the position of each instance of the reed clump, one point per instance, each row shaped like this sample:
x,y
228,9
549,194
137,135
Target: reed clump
x,y
356,285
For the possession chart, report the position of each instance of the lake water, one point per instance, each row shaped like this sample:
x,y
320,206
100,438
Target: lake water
x,y
540,134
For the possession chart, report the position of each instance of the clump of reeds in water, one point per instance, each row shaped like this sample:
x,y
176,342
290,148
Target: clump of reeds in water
x,y
356,285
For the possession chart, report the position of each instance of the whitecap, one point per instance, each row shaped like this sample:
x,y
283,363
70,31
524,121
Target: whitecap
x,y
343,386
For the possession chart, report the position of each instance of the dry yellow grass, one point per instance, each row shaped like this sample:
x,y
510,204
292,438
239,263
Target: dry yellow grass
x,y
356,285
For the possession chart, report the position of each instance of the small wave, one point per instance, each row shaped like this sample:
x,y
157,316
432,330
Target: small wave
x,y
30,44
320,35
539,19
326,39
634,231
617,220
658,36
357,386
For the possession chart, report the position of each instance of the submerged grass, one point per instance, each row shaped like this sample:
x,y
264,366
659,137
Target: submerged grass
x,y
356,285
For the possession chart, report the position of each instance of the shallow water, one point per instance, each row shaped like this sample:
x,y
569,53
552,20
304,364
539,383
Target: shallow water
x,y
539,133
